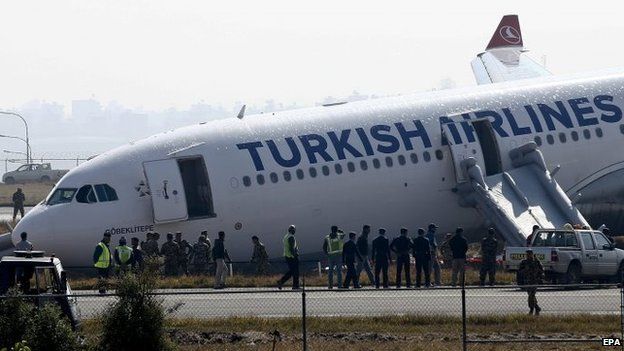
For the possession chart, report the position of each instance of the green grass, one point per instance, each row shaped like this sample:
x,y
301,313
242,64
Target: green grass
x,y
254,281
390,332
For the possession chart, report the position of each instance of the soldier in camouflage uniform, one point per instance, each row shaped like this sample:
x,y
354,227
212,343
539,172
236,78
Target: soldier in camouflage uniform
x,y
150,247
445,251
185,251
171,251
200,256
531,272
259,256
489,244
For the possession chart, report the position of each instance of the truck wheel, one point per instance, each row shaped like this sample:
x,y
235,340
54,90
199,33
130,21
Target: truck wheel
x,y
9,180
573,275
45,179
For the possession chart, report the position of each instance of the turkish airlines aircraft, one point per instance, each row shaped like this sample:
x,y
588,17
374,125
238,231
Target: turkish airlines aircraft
x,y
388,162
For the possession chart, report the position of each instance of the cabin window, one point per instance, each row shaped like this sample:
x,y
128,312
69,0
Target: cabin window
x,y
414,158
550,139
562,137
389,161
260,179
197,187
622,128
287,176
599,132
351,167
105,193
538,140
273,177
338,168
575,135
299,174
363,165
312,171
401,160
587,134
246,181
376,163
439,154
325,170
427,156
86,195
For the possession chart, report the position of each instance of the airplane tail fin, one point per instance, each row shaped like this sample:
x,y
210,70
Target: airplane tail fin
x,y
504,58
507,33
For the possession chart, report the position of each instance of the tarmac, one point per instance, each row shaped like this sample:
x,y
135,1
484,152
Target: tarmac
x,y
269,303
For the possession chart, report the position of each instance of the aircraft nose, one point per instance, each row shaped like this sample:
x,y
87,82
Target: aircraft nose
x,y
27,224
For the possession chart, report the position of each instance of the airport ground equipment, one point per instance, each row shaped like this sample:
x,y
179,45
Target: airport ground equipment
x,y
40,278
571,256
515,200
34,172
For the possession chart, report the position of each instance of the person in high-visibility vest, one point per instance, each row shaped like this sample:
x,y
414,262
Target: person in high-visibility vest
x,y
291,255
332,245
123,256
102,261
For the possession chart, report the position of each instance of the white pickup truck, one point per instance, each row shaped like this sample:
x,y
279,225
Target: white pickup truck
x,y
571,256
34,172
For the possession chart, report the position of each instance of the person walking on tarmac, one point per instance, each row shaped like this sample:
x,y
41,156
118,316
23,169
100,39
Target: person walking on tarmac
x,y
349,255
531,272
489,244
382,258
259,256
220,255
123,256
435,262
332,246
102,261
363,249
291,255
170,250
401,247
422,256
459,247
18,203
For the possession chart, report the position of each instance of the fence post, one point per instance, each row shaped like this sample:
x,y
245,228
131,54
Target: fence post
x,y
231,270
320,269
622,308
303,314
463,300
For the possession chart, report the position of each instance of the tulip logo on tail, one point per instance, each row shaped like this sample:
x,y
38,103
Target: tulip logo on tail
x,y
510,34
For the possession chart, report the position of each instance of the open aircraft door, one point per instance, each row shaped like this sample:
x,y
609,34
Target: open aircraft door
x,y
461,148
167,190
476,139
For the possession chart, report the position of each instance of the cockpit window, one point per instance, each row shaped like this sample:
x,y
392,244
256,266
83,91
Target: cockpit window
x,y
86,195
105,193
61,196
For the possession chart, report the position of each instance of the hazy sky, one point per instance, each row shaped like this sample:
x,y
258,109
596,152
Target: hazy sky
x,y
159,54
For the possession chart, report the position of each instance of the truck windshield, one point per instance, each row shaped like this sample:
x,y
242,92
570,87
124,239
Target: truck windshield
x,y
61,196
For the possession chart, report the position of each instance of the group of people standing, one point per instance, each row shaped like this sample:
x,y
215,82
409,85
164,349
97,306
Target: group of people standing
x,y
356,253
179,257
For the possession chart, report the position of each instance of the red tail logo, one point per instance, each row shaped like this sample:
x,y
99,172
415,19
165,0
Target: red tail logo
x,y
507,34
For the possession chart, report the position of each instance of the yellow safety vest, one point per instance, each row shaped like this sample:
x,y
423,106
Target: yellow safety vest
x,y
104,259
287,251
124,253
334,245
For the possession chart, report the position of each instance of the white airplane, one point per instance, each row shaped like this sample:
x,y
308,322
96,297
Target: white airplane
x,y
390,162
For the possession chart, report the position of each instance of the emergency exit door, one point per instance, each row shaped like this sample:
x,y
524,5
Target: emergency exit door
x,y
167,190
461,148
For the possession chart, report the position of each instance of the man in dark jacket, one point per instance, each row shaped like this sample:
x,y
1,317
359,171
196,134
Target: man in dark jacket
x,y
489,245
401,247
349,255
381,257
459,247
422,255
364,264
18,203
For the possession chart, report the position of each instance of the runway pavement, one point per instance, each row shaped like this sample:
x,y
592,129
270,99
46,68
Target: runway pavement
x,y
207,303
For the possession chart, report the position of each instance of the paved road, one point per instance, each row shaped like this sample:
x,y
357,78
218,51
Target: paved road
x,y
429,302
6,213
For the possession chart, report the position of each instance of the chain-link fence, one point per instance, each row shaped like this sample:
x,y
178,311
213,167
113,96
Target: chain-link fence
x,y
469,318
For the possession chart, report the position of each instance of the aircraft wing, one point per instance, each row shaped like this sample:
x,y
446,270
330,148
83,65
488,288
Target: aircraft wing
x,y
504,58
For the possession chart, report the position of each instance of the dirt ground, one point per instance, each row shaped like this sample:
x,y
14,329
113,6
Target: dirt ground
x,y
35,192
